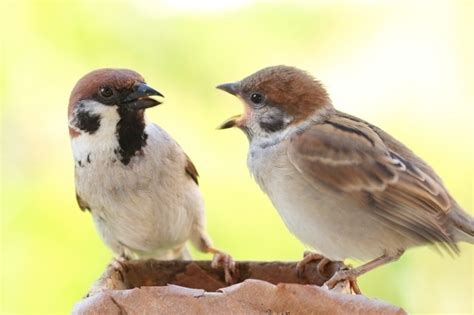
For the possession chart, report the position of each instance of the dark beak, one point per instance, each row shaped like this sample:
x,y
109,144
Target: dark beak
x,y
139,98
232,88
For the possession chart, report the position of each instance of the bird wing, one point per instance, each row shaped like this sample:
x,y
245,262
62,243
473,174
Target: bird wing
x,y
349,157
173,150
82,204
191,170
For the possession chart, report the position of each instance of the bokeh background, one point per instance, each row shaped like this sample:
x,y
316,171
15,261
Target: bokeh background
x,y
406,66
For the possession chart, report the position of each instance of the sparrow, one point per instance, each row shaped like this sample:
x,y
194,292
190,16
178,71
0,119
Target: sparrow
x,y
341,185
138,184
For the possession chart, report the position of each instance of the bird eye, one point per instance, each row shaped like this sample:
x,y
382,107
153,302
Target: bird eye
x,y
256,98
106,92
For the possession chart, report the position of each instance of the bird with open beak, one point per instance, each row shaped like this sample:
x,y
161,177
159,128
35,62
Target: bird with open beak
x,y
138,184
342,185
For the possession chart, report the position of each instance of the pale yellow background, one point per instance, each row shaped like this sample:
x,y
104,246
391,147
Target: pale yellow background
x,y
406,66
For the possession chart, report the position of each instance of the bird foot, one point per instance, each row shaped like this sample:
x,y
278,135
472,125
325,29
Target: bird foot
x,y
223,260
310,257
118,264
342,279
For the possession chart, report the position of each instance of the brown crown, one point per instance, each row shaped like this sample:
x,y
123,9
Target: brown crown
x,y
291,89
89,84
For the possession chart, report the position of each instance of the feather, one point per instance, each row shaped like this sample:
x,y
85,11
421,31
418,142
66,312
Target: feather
x,y
349,156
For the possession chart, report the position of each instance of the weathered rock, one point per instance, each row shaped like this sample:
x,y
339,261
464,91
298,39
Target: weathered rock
x,y
182,287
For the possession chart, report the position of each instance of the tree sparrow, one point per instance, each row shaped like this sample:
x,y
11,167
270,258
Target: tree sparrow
x,y
136,181
341,185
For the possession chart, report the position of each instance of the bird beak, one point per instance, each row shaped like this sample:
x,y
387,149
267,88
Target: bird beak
x,y
234,89
231,88
140,98
230,122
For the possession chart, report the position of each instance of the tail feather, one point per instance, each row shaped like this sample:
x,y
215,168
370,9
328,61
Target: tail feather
x,y
463,225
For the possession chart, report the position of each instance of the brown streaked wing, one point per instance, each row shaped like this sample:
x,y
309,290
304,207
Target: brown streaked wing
x,y
348,156
191,170
82,204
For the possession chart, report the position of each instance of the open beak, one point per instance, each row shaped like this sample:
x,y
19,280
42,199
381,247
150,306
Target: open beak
x,y
230,122
234,89
140,98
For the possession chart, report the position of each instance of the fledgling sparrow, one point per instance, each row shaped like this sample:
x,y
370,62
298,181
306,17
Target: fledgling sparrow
x,y
341,185
138,184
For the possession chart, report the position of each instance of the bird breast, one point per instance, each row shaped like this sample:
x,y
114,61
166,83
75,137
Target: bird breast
x,y
324,220
146,205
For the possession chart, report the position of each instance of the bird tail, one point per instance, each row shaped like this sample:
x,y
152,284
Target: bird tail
x,y
463,226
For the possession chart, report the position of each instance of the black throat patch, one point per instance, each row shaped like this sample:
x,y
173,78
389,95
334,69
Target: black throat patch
x,y
131,134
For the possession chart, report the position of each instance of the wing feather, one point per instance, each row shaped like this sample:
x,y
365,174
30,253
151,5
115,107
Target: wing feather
x,y
348,156
82,204
191,170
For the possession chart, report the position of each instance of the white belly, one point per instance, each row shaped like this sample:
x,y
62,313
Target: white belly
x,y
138,216
144,208
318,217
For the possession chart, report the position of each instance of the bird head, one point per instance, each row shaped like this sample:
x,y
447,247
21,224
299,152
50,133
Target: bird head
x,y
275,98
104,96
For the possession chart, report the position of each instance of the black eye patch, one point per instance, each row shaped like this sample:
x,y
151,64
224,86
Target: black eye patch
x,y
272,123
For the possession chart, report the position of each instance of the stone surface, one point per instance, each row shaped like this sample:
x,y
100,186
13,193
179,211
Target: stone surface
x,y
177,287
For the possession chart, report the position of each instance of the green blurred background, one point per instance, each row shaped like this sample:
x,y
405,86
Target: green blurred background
x,y
406,66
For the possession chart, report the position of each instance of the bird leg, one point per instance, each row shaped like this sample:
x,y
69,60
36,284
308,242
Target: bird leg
x,y
225,261
118,264
221,259
310,257
352,274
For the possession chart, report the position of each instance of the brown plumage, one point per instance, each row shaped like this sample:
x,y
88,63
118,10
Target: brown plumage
x,y
138,183
341,185
82,204
308,94
86,87
191,170
354,159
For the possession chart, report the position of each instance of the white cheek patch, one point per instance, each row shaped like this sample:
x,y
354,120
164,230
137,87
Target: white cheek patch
x,y
109,119
109,116
102,141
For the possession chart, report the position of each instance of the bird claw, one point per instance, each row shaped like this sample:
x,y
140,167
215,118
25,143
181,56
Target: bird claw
x,y
345,277
118,264
310,257
225,261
